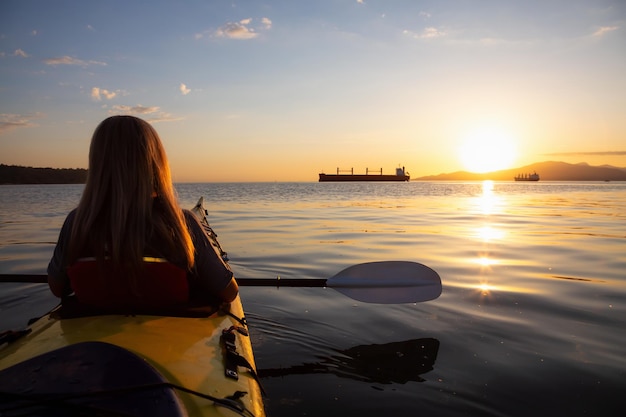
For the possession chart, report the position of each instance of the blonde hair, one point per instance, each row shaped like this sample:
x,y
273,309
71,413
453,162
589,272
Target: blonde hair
x,y
128,198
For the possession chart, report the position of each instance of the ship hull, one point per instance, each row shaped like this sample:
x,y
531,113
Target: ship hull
x,y
365,178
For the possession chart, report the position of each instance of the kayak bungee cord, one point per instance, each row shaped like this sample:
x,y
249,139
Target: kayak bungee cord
x,y
63,401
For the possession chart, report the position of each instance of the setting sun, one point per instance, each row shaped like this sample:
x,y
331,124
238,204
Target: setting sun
x,y
487,150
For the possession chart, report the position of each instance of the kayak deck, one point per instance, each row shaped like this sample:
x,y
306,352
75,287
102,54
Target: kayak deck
x,y
186,352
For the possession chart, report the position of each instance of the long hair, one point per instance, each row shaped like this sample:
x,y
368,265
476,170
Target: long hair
x,y
128,198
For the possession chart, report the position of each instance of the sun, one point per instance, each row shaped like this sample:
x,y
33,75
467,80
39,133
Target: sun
x,y
487,150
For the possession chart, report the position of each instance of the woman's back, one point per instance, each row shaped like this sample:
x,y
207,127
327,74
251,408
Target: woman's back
x,y
128,211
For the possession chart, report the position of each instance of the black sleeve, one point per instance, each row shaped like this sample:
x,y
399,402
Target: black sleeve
x,y
56,267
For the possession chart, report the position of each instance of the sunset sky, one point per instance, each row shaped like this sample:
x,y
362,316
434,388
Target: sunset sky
x,y
283,90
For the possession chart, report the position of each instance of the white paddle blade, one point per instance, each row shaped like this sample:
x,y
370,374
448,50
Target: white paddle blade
x,y
388,282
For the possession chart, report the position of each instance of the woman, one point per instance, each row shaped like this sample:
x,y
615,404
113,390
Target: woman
x,y
112,248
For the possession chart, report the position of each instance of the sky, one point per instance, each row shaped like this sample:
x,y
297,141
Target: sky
x,y
283,90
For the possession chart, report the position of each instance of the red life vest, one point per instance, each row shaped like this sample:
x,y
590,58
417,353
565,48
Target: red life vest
x,y
160,285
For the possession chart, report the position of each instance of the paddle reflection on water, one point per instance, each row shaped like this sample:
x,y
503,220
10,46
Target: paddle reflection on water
x,y
396,362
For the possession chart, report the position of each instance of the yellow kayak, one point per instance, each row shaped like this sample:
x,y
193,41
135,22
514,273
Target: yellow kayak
x,y
143,365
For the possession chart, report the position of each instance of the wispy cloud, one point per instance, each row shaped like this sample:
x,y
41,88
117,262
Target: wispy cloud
x,y
242,30
597,153
68,60
98,93
266,22
164,117
152,114
20,53
138,109
604,30
184,90
9,121
427,33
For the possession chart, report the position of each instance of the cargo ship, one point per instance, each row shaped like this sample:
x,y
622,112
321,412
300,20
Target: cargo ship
x,y
375,175
527,177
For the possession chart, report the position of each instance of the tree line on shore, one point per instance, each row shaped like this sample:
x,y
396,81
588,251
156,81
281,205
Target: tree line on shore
x,y
15,174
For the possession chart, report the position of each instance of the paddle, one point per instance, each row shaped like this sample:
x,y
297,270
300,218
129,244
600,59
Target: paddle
x,y
387,282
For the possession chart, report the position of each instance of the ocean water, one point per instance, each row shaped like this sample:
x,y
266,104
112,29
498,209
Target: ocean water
x,y
531,320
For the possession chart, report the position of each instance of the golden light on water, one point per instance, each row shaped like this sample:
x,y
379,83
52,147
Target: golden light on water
x,y
486,288
485,261
487,186
489,204
488,201
489,233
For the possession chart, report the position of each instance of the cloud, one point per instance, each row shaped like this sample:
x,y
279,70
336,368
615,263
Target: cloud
x,y
9,121
266,22
604,30
243,29
597,153
425,15
427,33
19,52
238,30
184,90
68,60
97,94
138,109
152,114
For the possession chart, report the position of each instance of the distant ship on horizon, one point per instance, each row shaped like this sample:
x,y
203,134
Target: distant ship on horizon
x,y
527,177
376,175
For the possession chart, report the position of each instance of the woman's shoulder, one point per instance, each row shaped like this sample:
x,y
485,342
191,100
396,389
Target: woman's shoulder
x,y
69,219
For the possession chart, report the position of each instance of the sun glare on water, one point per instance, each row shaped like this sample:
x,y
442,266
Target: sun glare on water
x,y
487,150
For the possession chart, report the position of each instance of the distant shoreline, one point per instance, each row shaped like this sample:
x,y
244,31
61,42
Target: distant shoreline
x,y
549,171
15,174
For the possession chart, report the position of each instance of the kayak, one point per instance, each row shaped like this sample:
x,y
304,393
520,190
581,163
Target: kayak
x,y
197,363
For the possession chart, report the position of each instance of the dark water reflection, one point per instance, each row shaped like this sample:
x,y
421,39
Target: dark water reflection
x,y
396,362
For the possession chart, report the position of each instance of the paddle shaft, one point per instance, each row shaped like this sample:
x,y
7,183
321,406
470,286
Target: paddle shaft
x,y
29,278
244,282
281,282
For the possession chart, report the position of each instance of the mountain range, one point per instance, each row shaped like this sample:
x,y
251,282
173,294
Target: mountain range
x,y
548,171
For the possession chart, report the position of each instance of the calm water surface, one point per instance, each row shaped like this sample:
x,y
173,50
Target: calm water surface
x,y
531,320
